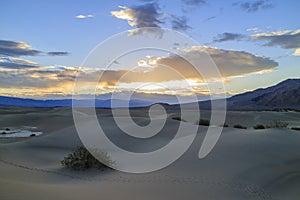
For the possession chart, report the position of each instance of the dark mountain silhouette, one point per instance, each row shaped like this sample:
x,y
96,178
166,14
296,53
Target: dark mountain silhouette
x,y
284,95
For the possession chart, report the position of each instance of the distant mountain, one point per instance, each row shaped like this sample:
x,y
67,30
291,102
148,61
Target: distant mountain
x,y
22,102
285,95
102,101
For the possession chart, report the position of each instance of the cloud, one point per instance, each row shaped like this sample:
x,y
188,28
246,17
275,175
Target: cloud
x,y
12,65
179,23
12,48
254,29
16,77
228,37
254,6
285,39
58,53
84,16
165,69
19,60
297,52
16,49
194,2
148,16
36,76
230,63
141,16
16,63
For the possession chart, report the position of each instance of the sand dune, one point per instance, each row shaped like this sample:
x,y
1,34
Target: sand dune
x,y
245,164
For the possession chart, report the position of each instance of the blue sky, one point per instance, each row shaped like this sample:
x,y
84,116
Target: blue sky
x,y
52,26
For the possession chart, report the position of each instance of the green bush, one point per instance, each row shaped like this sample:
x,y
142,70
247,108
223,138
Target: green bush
x,y
259,126
82,159
204,122
239,126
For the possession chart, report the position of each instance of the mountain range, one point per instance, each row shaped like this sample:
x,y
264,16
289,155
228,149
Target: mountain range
x,y
284,95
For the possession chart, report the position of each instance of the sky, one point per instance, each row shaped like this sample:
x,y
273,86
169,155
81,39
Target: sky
x,y
43,45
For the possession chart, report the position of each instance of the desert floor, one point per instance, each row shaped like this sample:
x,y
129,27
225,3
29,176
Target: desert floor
x,y
245,164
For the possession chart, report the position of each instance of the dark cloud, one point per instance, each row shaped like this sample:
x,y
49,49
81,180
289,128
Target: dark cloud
x,y
283,39
37,77
58,53
12,48
141,16
17,49
228,37
147,15
179,23
13,65
286,40
16,63
254,6
194,2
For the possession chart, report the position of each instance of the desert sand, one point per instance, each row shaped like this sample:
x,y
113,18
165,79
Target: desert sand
x,y
245,164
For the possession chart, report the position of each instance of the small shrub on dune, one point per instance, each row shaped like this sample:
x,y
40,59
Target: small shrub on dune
x,y
178,119
224,125
239,126
82,159
259,126
296,128
281,124
278,124
204,122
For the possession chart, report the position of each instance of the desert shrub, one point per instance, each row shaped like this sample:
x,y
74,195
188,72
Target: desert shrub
x,y
278,124
204,122
178,119
225,125
259,126
296,128
3,133
32,135
82,159
239,126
